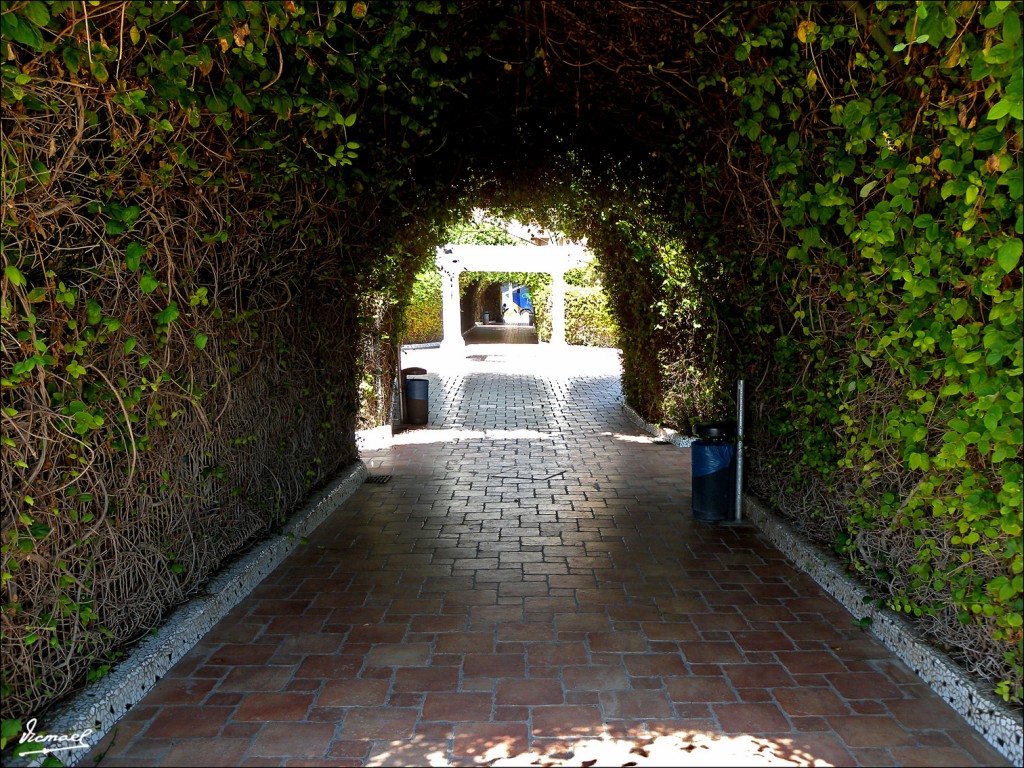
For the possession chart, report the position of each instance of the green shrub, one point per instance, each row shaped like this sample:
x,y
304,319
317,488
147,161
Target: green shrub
x,y
423,314
588,319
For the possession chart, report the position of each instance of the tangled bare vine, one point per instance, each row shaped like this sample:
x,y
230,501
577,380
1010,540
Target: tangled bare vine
x,y
187,339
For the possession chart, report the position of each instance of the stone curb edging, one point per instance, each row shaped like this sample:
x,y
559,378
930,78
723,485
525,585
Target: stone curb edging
x,y
101,705
993,720
989,716
424,345
669,435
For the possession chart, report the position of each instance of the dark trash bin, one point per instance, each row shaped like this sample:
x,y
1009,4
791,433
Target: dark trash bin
x,y
418,412
714,471
417,395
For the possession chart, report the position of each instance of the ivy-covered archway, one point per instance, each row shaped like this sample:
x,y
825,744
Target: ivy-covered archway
x,y
214,211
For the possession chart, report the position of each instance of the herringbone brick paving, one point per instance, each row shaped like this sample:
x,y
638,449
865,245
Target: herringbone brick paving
x,y
531,585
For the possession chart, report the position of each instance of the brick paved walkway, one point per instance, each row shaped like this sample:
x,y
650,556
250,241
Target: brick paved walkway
x,y
531,583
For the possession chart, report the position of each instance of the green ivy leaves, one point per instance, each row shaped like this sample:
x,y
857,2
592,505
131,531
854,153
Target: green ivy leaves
x,y
133,255
1008,255
22,24
13,274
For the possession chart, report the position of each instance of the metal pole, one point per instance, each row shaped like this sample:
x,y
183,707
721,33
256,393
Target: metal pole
x,y
739,450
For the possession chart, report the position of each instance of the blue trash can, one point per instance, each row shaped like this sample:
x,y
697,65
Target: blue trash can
x,y
714,471
417,395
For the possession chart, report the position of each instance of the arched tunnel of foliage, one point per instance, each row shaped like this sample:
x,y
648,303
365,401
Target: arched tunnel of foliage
x,y
213,212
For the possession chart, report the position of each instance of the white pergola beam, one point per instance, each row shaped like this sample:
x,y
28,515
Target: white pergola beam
x,y
554,260
512,258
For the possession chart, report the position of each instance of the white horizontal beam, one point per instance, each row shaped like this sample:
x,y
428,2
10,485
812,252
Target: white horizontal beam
x,y
511,258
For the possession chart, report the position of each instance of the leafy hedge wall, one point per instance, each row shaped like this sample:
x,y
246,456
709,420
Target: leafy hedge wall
x,y
422,316
589,320
204,242
894,398
846,236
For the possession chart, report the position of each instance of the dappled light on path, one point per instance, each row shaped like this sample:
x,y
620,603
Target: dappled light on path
x,y
426,436
639,439
678,749
663,747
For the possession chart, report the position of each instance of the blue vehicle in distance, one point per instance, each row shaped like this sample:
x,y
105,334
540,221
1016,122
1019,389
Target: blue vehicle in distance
x,y
516,306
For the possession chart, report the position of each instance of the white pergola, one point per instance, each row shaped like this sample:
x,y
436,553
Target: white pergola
x,y
554,260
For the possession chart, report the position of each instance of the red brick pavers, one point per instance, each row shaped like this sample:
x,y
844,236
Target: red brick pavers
x,y
531,586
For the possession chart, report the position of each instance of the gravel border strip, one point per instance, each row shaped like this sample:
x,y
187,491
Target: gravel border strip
x,y
993,719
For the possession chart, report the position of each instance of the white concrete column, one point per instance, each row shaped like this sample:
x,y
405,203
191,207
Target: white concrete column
x,y
451,317
558,308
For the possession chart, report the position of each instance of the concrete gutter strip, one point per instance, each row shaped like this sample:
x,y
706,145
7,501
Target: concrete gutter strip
x,y
992,718
425,345
669,435
102,704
